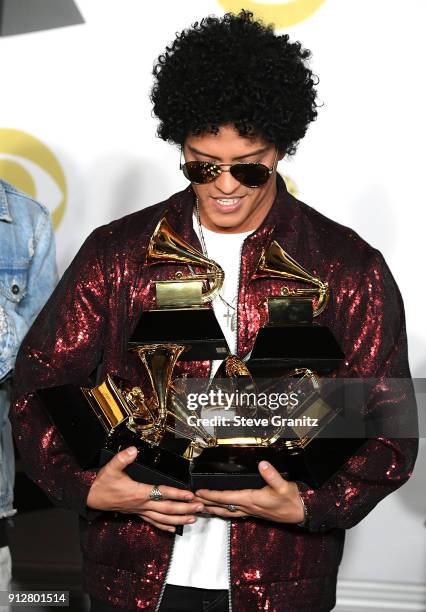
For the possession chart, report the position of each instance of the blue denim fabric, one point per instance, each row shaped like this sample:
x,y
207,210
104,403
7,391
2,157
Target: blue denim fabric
x,y
27,277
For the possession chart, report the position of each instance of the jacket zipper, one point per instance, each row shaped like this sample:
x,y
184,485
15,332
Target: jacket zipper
x,y
229,521
229,566
163,587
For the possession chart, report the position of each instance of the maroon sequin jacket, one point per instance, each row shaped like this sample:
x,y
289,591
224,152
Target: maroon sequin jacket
x,y
274,567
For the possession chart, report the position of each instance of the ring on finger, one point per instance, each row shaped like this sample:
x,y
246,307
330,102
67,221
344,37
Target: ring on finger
x,y
232,507
155,494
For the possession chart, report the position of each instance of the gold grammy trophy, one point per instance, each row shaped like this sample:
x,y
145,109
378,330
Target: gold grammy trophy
x,y
181,315
291,339
275,262
155,421
152,415
181,326
293,345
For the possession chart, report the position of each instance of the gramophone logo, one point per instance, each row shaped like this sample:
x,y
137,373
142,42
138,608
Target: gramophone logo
x,y
281,14
31,166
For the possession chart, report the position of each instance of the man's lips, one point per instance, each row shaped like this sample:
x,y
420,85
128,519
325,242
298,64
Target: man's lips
x,y
227,204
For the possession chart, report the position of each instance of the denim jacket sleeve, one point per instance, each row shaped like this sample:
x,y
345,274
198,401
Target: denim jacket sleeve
x,y
26,281
27,277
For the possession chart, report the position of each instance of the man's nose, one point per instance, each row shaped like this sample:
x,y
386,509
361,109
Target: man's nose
x,y
226,183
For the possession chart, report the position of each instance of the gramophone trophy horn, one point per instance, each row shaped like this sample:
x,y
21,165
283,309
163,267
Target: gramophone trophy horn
x,y
276,262
159,361
166,246
166,405
181,315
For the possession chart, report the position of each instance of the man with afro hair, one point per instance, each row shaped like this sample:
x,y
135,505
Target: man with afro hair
x,y
235,98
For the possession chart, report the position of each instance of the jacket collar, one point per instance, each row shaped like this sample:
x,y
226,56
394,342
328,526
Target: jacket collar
x,y
4,205
281,223
280,218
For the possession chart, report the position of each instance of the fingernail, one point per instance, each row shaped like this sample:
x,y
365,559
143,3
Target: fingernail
x,y
188,497
199,508
132,450
192,519
171,529
264,465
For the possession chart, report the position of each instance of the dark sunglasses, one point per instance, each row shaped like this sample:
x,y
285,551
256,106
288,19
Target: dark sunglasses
x,y
250,175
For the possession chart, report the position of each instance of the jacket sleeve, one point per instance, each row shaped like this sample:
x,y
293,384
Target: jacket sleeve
x,y
376,348
42,279
63,346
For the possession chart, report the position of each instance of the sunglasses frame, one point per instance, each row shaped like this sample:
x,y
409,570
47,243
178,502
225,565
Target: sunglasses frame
x,y
230,166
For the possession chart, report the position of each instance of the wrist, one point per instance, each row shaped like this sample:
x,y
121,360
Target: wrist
x,y
304,521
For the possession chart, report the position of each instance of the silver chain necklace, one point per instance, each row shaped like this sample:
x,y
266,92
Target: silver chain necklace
x,y
231,311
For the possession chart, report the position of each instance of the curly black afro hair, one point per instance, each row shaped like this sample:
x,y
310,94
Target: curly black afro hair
x,y
234,70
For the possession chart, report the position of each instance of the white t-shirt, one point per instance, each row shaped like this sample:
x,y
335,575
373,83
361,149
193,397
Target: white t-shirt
x,y
200,555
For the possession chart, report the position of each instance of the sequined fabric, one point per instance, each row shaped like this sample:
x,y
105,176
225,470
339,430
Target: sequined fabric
x,y
91,315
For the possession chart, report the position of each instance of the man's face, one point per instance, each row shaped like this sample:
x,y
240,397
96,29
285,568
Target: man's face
x,y
225,204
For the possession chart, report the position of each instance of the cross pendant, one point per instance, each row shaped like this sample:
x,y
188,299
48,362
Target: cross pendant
x,y
228,316
231,319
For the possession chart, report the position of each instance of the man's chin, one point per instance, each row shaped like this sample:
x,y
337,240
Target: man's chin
x,y
225,222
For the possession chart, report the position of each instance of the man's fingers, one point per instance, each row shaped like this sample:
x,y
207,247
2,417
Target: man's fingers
x,y
209,505
271,476
176,494
168,519
225,513
240,498
122,459
173,507
158,525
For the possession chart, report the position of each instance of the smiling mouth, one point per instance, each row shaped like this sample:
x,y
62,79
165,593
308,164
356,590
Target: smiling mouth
x,y
228,201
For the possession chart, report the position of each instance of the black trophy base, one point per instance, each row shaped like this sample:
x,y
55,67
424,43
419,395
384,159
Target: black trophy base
x,y
195,328
233,468
321,459
156,466
294,346
79,426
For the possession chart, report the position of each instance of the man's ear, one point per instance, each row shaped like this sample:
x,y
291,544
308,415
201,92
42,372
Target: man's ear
x,y
281,155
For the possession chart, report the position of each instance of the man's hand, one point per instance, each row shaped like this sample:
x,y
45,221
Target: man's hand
x,y
114,490
279,501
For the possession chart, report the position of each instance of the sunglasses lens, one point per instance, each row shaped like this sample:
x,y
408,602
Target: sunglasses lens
x,y
200,172
251,175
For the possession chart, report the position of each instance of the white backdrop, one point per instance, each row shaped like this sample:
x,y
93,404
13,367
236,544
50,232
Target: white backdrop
x,y
82,91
